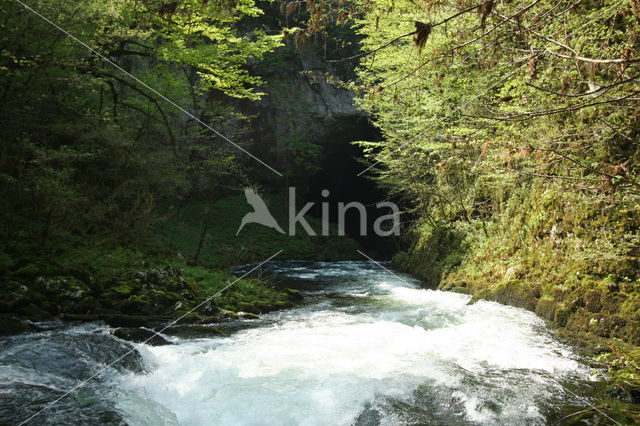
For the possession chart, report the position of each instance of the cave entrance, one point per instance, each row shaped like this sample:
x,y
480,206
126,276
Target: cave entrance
x,y
339,175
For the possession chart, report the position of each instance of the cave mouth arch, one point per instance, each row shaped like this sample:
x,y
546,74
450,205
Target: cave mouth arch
x,y
338,173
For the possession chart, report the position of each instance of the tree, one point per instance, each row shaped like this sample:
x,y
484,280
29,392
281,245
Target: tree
x,y
495,112
86,148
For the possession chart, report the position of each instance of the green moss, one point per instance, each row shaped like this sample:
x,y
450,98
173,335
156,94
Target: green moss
x,y
514,293
134,304
484,294
593,300
247,307
546,308
573,262
631,304
561,314
440,249
122,288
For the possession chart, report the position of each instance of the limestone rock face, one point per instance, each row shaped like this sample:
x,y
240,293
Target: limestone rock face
x,y
330,101
301,103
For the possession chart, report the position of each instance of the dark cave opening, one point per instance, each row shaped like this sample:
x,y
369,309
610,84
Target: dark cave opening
x,y
339,175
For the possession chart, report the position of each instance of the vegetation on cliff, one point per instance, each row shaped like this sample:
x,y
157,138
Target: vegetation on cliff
x,y
511,135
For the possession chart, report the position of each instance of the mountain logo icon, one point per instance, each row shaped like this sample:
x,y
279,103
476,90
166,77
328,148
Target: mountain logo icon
x,y
260,213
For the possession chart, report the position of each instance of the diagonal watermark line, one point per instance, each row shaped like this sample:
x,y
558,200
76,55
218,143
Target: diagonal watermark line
x,y
456,109
585,401
386,269
166,99
156,333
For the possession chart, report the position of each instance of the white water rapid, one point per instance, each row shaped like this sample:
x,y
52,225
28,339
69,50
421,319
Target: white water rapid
x,y
367,348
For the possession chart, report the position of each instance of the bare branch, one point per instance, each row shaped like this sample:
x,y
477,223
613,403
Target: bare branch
x,y
528,115
594,60
359,55
607,87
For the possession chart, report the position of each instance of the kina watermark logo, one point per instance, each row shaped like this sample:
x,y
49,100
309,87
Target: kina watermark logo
x,y
260,213
386,224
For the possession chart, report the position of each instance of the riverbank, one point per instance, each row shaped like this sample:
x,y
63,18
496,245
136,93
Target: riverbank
x,y
127,287
186,261
572,261
619,392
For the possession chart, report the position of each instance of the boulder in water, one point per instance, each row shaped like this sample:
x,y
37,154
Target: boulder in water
x,y
140,335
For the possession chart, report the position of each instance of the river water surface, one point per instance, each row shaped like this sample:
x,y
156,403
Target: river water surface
x,y
366,348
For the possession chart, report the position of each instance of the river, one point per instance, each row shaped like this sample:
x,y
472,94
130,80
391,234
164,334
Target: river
x,y
367,347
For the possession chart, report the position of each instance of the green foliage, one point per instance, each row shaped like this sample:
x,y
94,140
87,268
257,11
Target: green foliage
x,y
87,152
222,247
623,365
93,163
511,134
490,130
462,118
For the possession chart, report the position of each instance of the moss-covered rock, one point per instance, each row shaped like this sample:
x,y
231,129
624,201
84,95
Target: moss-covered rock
x,y
438,251
593,300
514,293
546,308
193,331
10,325
561,314
153,292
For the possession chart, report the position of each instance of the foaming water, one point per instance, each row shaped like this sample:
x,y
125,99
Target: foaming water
x,y
368,348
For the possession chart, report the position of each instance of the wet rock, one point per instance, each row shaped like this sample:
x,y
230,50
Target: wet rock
x,y
12,325
127,321
368,416
293,294
140,335
193,331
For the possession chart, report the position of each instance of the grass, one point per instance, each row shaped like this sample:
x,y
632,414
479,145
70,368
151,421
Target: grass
x,y
222,247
